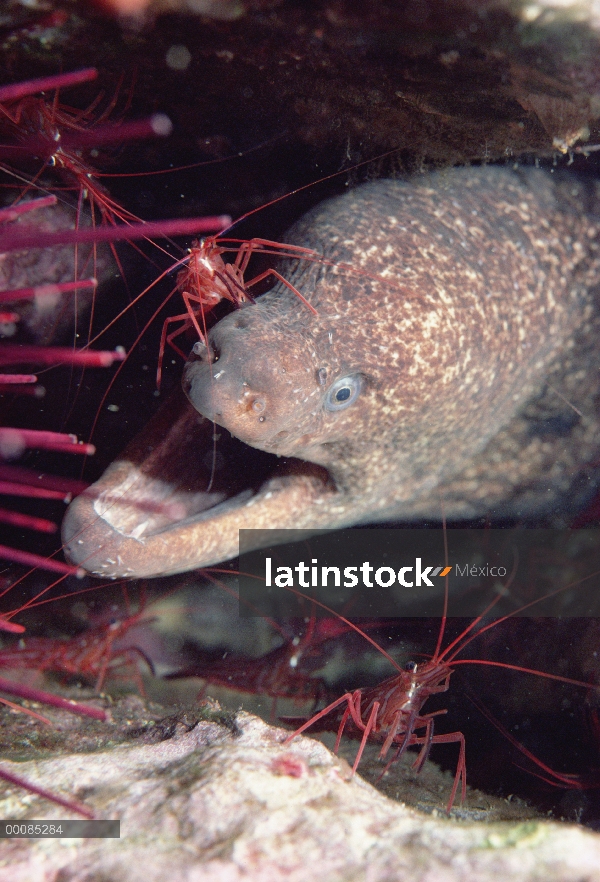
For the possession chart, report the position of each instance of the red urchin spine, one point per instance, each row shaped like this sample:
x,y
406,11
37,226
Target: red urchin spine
x,y
58,142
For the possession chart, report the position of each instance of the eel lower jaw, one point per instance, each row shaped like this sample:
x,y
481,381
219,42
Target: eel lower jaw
x,y
157,511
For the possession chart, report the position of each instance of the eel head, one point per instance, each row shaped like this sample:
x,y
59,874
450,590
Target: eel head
x,y
423,345
176,499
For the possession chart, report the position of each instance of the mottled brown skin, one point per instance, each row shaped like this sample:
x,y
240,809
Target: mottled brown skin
x,y
460,305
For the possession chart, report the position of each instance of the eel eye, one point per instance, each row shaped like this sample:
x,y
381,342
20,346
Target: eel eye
x,y
343,392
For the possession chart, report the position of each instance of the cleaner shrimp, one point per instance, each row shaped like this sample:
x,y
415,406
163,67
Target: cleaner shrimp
x,y
111,646
99,651
392,712
205,280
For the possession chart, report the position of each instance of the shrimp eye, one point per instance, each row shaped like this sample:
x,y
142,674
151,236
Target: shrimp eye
x,y
343,392
411,667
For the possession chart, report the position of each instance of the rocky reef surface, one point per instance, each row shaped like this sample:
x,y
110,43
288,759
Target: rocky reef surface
x,y
207,795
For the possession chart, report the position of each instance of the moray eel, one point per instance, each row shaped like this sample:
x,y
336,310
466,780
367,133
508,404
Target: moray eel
x,y
452,362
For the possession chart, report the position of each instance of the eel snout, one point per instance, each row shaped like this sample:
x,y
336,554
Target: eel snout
x,y
233,388
270,393
177,497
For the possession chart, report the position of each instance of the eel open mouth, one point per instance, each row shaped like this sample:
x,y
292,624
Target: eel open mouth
x,y
179,494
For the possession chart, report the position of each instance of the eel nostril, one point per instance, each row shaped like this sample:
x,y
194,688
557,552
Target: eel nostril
x,y
209,354
258,405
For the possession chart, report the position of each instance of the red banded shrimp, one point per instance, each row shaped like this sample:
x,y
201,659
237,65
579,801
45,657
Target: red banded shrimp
x,y
37,129
91,653
110,647
205,280
98,652
391,713
110,642
284,672
62,137
280,673
292,670
34,129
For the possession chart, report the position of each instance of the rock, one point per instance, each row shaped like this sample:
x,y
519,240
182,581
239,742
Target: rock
x,y
223,798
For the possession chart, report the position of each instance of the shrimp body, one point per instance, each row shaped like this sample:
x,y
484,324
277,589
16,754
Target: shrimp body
x,y
205,279
94,653
399,701
209,278
391,712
